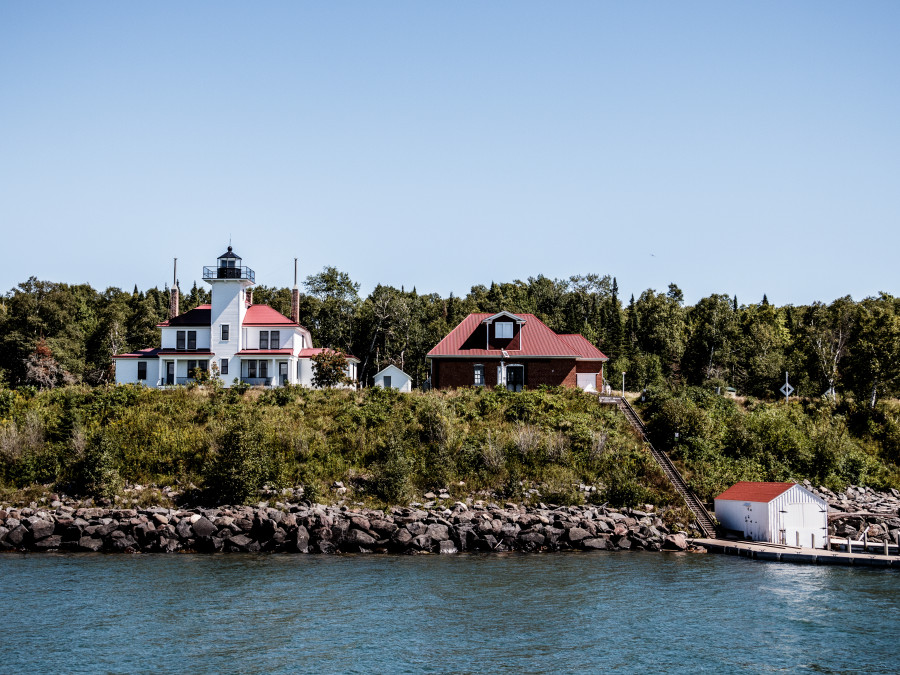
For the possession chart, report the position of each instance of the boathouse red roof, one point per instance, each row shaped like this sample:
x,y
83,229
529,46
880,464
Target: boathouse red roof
x,y
748,491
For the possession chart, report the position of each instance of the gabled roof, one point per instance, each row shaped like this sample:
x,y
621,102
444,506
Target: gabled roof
x,y
504,314
199,316
748,491
390,368
580,344
536,340
263,315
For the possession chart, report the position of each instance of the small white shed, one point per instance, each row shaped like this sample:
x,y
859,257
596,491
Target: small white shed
x,y
780,513
393,378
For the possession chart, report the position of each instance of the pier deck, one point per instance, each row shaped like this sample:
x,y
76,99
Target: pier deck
x,y
794,554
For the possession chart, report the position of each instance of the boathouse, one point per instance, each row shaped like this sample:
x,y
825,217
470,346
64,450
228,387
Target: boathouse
x,y
779,513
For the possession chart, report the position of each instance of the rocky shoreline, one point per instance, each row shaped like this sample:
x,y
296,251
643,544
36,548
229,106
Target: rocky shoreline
x,y
862,510
316,529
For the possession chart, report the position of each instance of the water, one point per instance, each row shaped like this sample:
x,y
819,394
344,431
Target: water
x,y
557,613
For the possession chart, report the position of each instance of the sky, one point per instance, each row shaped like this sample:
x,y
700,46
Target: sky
x,y
745,148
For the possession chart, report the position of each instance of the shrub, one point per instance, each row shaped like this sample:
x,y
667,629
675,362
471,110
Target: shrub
x,y
391,479
98,474
240,465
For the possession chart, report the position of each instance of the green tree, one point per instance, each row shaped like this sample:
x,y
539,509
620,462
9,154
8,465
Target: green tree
x,y
329,369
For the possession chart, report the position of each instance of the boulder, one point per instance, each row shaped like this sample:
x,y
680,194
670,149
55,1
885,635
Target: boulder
x,y
675,542
18,536
438,532
299,540
240,542
416,528
41,528
577,534
595,544
447,548
358,539
47,543
183,529
421,542
203,527
90,544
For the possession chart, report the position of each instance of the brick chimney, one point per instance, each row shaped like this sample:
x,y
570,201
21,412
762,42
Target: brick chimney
x,y
173,293
295,298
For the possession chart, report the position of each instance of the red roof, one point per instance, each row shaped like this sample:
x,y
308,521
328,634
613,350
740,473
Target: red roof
x,y
263,315
185,352
748,491
580,344
199,316
150,353
265,352
309,352
536,340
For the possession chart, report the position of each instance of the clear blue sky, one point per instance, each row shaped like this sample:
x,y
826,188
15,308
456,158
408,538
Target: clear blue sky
x,y
744,148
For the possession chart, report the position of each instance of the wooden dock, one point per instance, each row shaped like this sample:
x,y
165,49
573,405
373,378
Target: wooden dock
x,y
793,554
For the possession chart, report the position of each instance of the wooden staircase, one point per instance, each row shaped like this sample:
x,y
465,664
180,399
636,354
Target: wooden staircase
x,y
704,520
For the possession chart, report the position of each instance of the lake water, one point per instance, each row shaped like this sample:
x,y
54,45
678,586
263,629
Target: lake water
x,y
556,613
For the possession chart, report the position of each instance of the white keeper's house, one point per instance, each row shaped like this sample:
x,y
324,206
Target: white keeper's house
x,y
251,343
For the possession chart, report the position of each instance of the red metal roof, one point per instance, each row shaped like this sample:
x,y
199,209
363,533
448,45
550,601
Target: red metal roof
x,y
748,491
150,353
265,352
199,316
263,315
583,347
309,352
536,340
185,352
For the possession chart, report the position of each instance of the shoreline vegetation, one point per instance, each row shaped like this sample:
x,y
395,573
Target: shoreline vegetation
x,y
386,448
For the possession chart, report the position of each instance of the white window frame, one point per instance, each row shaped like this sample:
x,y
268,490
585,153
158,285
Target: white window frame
x,y
479,371
507,329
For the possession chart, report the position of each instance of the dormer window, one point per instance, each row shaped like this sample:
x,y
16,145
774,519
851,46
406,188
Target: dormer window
x,y
503,329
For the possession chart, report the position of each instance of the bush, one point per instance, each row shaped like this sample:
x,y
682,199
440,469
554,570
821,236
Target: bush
x,y
99,475
240,465
391,479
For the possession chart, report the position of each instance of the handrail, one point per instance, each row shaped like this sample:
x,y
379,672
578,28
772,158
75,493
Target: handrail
x,y
704,519
229,273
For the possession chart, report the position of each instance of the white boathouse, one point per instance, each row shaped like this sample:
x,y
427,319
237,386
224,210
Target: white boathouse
x,y
780,513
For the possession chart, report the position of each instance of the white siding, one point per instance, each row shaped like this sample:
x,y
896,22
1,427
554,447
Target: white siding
x,y
399,379
794,515
126,371
228,308
170,336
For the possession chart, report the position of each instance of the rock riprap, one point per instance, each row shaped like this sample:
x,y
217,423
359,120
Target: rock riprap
x,y
314,528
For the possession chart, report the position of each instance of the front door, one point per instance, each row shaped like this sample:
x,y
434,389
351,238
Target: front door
x,y
282,373
170,372
515,378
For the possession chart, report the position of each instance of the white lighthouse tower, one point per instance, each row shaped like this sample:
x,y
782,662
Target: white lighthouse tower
x,y
230,282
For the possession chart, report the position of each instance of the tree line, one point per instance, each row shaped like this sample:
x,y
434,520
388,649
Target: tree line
x,y
53,333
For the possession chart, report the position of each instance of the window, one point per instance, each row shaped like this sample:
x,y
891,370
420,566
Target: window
x,y
263,368
224,332
142,370
387,381
192,339
263,339
179,340
503,329
223,367
251,368
275,339
479,375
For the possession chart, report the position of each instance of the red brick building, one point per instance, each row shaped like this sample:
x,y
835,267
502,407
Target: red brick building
x,y
515,351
